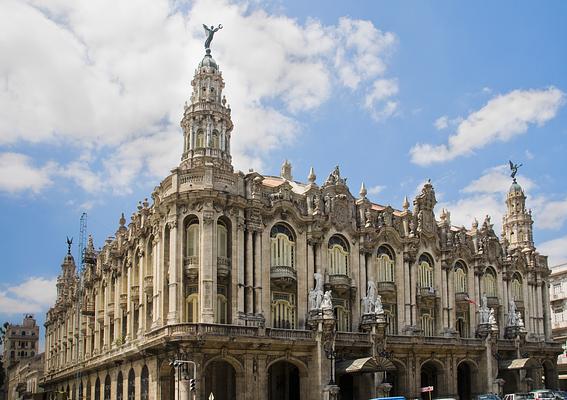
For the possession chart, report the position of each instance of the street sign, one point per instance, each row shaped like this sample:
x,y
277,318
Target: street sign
x,y
427,389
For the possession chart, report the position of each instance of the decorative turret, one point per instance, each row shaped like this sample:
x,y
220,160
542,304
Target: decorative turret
x,y
206,121
67,279
423,208
517,223
286,171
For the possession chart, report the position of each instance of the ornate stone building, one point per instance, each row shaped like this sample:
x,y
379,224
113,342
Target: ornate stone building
x,y
21,341
277,289
558,298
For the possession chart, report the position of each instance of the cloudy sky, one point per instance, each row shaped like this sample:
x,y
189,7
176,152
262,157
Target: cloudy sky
x,y
92,92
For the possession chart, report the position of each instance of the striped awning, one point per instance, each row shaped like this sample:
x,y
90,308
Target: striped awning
x,y
519,363
366,364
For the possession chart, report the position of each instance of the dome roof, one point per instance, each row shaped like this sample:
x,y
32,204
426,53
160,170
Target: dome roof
x,y
208,61
515,188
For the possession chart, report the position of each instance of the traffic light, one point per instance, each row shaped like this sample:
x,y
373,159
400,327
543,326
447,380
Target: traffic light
x,y
192,385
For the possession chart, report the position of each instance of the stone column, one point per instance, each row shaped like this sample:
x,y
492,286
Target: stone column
x,y
207,289
237,269
258,272
266,274
444,297
546,316
142,297
173,314
406,285
539,303
249,272
413,288
302,280
310,264
157,283
451,299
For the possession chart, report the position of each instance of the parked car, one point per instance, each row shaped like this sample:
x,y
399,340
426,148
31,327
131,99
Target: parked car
x,y
519,396
543,394
560,394
488,396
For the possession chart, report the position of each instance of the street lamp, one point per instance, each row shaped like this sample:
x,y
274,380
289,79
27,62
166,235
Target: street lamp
x,y
331,355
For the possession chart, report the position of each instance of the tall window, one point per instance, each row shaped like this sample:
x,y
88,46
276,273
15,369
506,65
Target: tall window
x,y
428,324
425,277
215,140
342,314
192,305
517,287
81,390
88,394
390,315
131,385
283,310
386,265
119,387
145,383
282,247
338,256
107,387
222,240
221,316
489,282
460,278
200,142
192,237
97,389
556,288
462,327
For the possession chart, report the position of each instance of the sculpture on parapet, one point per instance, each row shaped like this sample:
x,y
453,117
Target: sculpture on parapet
x,y
491,317
378,308
512,314
327,303
316,294
210,33
368,302
483,310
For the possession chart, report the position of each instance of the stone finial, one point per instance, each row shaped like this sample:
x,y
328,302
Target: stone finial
x,y
405,205
286,171
122,220
363,192
475,224
311,177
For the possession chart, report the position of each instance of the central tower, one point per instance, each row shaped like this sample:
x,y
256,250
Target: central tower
x,y
206,121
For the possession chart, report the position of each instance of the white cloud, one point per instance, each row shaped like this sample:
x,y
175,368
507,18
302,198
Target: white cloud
x,y
375,190
441,122
34,295
465,210
496,180
111,76
17,174
556,250
529,155
551,214
502,118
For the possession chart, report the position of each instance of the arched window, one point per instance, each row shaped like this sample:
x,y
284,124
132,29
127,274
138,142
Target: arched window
x,y
97,389
192,237
131,384
391,328
283,310
460,278
81,390
428,325
145,383
221,316
425,278
282,247
107,387
215,140
489,282
342,314
222,240
517,287
462,327
150,258
192,304
119,387
338,256
200,142
385,265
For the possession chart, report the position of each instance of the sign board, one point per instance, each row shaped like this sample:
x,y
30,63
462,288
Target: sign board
x,y
427,389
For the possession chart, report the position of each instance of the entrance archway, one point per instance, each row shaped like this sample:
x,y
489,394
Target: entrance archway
x,y
432,375
220,379
464,381
346,385
167,381
550,377
283,381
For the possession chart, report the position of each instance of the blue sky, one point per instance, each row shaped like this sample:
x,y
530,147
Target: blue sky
x,y
394,92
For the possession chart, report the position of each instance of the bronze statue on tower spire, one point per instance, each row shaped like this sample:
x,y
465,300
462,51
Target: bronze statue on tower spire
x,y
514,169
210,33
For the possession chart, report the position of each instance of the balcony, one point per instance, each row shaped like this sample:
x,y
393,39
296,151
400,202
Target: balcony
x,y
191,267
340,282
493,301
558,296
124,301
283,275
88,308
461,297
110,309
100,316
427,292
519,304
386,287
135,293
223,267
149,285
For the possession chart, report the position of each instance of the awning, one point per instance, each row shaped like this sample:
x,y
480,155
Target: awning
x,y
519,363
366,364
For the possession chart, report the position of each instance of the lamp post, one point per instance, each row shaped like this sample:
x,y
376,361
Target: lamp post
x,y
332,355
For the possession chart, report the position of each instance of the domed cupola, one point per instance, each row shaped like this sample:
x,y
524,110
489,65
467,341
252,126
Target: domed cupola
x,y
517,223
206,122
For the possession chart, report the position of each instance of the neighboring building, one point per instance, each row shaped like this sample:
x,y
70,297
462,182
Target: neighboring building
x,y
558,297
21,341
227,270
23,379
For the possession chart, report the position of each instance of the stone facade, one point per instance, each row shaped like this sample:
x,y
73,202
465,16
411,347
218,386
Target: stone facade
x,y
23,378
21,341
276,289
558,298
